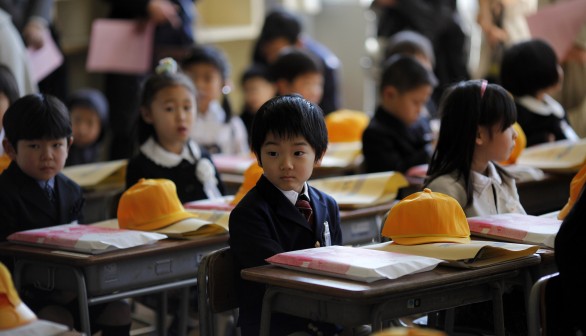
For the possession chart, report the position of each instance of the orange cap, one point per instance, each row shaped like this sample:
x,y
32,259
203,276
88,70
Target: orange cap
x,y
520,145
575,189
251,176
13,312
149,205
401,331
346,125
427,217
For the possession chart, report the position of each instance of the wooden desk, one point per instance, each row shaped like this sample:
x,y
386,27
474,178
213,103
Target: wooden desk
x,y
167,264
352,303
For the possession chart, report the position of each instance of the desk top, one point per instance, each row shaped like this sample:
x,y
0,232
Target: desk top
x,y
80,259
441,276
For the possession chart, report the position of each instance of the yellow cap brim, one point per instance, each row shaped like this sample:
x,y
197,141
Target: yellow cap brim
x,y
158,223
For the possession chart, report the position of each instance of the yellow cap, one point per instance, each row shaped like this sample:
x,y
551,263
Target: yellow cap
x,y
251,176
520,145
427,217
13,312
575,189
149,205
400,331
346,125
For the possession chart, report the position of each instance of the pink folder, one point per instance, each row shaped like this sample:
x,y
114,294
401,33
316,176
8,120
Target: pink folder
x,y
120,46
558,24
46,59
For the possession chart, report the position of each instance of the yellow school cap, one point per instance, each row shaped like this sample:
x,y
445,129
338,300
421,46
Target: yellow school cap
x,y
346,125
413,331
13,312
150,204
520,145
427,217
576,187
251,175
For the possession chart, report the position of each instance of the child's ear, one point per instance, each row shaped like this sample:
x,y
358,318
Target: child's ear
x,y
317,162
389,93
8,149
69,142
480,136
146,115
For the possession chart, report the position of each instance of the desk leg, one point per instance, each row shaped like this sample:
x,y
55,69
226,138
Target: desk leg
x,y
265,319
162,314
183,311
84,312
497,308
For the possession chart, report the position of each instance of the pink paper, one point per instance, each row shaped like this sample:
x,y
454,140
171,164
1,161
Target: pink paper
x,y
120,46
559,24
46,59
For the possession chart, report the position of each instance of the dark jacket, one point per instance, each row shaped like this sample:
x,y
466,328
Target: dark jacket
x,y
390,145
265,223
537,128
25,206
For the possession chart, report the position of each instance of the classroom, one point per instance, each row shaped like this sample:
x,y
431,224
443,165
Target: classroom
x,y
292,167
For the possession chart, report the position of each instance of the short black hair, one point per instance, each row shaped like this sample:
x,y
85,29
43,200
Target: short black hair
x,y
280,23
411,43
208,54
8,84
36,116
528,67
256,70
289,116
405,73
294,62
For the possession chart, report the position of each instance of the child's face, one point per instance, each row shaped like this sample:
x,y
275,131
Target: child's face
x,y
309,85
208,82
271,49
172,114
287,163
4,103
257,91
406,106
86,126
499,147
39,159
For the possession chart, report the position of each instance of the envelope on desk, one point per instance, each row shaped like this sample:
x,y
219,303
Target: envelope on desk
x,y
362,190
354,263
98,175
516,228
471,255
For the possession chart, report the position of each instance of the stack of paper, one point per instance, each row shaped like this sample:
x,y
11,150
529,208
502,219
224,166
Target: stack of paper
x,y
354,263
471,255
97,175
518,228
558,156
362,190
222,204
85,238
342,155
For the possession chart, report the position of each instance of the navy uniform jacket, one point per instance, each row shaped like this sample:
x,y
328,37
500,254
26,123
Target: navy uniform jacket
x,y
537,128
389,145
265,223
25,206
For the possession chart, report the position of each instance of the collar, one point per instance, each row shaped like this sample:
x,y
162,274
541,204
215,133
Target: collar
x,y
215,112
292,195
51,183
548,106
163,157
1,138
492,176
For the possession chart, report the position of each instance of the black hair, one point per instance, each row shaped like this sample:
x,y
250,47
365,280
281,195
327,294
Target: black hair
x,y
36,116
528,67
163,78
256,70
294,62
278,23
209,54
8,84
405,73
289,116
92,99
411,43
463,108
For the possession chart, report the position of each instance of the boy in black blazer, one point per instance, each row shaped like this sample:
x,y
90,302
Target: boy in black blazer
x,y
289,138
35,194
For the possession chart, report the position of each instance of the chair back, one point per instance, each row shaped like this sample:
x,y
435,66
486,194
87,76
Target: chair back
x,y
538,306
217,291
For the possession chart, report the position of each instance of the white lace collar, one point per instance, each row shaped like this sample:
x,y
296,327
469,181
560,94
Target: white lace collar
x,y
163,157
546,107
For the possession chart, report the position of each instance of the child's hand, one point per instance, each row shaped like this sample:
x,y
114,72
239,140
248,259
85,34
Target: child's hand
x,y
34,34
162,11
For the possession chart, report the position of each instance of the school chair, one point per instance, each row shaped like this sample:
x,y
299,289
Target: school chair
x,y
217,292
538,309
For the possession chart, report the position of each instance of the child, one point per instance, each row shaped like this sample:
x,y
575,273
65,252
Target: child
x,y
476,131
166,121
289,139
8,95
36,194
530,71
395,139
89,115
297,71
216,128
258,87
